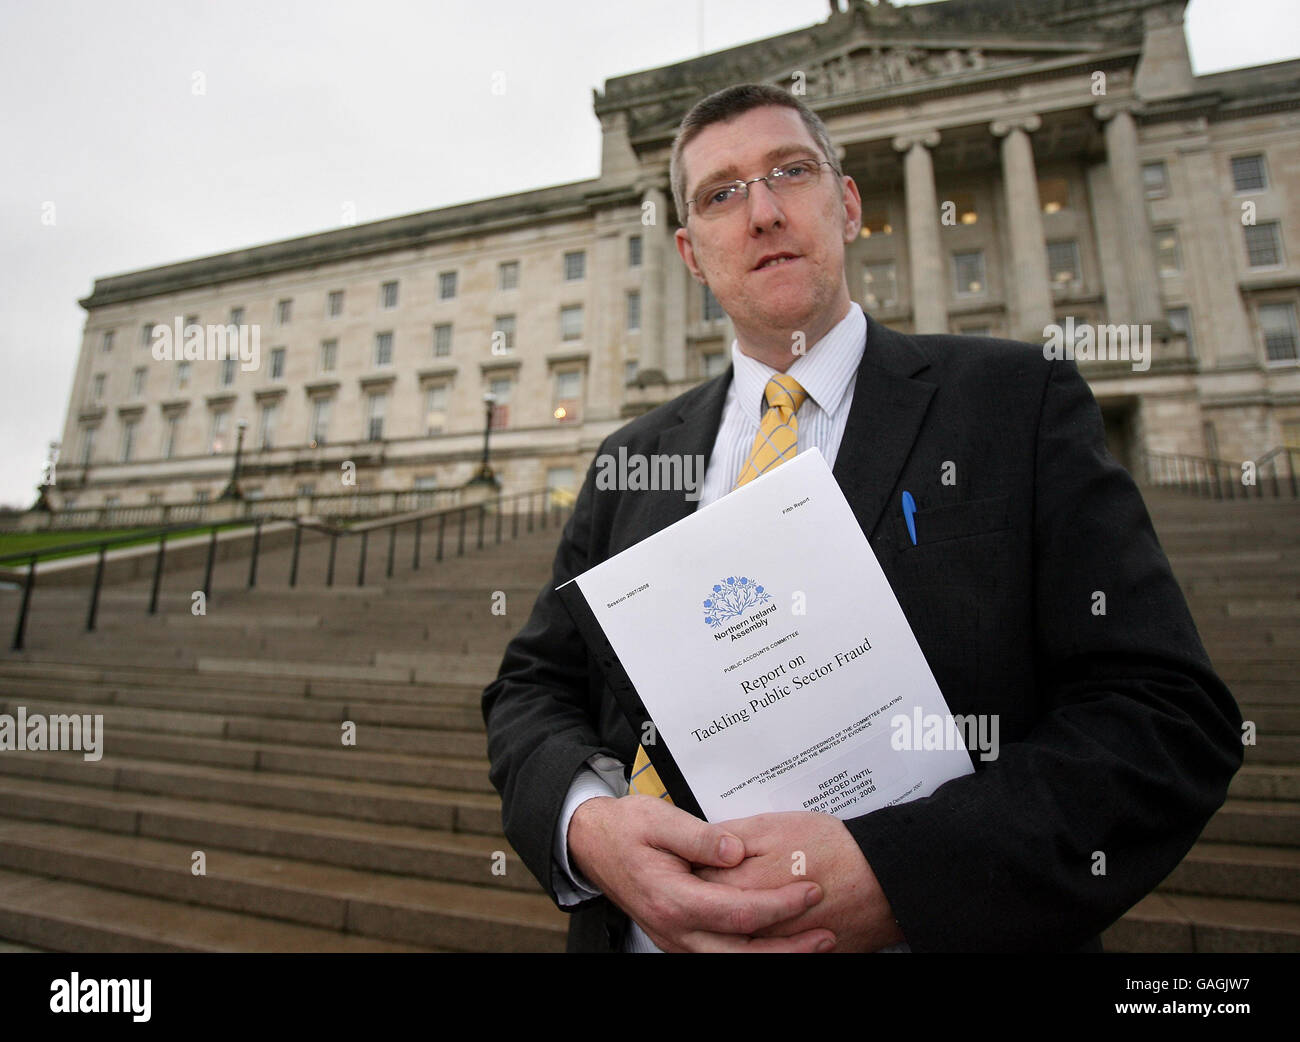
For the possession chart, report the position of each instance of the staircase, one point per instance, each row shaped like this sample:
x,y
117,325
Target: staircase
x,y
227,814
1238,889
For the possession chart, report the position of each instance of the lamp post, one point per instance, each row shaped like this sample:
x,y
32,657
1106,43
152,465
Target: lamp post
x,y
485,476
231,491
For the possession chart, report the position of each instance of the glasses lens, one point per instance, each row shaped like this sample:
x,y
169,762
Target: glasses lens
x,y
799,174
718,199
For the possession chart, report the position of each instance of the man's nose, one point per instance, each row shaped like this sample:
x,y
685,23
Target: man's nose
x,y
764,207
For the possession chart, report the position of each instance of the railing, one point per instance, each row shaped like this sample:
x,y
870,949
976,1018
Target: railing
x,y
440,526
1273,474
326,505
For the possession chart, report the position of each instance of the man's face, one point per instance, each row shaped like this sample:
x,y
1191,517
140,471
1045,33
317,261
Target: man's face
x,y
806,292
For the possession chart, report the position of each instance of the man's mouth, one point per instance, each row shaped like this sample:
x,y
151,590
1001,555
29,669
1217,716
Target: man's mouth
x,y
773,260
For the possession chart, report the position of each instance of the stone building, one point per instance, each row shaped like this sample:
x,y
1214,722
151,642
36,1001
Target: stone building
x,y
1024,165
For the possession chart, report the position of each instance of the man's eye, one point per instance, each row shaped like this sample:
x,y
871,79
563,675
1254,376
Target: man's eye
x,y
795,171
718,196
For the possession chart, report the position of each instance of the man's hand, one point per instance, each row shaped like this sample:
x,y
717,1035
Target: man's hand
x,y
779,847
640,851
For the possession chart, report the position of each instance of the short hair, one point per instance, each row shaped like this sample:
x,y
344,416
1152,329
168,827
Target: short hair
x,y
727,104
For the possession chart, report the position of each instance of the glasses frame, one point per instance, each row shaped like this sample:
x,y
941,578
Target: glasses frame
x,y
742,186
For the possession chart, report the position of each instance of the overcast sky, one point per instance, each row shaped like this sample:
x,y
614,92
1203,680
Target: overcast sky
x,y
313,104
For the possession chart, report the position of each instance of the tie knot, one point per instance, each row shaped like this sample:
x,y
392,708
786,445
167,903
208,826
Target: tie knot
x,y
783,392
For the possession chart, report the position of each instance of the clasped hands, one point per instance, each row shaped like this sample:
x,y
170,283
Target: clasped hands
x,y
789,882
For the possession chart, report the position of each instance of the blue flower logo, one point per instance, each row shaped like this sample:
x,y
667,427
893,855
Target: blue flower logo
x,y
731,597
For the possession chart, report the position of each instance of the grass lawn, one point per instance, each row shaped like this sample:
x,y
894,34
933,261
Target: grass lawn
x,y
22,542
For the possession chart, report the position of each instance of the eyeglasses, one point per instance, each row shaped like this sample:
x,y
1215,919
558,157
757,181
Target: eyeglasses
x,y
727,196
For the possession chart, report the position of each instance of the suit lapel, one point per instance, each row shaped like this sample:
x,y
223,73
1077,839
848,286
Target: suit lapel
x,y
888,408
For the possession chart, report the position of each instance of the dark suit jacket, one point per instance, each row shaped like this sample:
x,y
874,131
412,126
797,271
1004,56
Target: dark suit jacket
x,y
1116,735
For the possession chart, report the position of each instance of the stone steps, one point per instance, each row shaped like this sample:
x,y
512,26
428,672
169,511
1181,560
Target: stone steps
x,y
363,906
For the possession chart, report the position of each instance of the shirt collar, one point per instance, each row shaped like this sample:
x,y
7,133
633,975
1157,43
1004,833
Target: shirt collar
x,y
824,371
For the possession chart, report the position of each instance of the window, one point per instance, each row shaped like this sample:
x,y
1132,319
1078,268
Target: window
x,y
503,334
499,388
447,285
560,479
170,433
1248,174
714,363
329,355
575,266
306,489
182,375
375,406
630,370
567,395
508,275
383,349
320,421
1278,324
228,371
435,408
266,426
876,223
137,382
146,334
190,320
442,340
1054,194
976,331
710,309
571,322
1263,245
1169,259
106,342
284,312
426,487
634,311
963,211
634,251
1211,440
97,388
217,436
87,445
1155,180
388,295
1063,265
334,303
277,363
129,439
237,316
1180,321
968,273
879,285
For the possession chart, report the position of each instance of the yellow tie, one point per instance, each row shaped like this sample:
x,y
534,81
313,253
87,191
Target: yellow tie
x,y
776,442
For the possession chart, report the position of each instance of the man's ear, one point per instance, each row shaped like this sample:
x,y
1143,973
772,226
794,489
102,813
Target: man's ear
x,y
852,210
684,247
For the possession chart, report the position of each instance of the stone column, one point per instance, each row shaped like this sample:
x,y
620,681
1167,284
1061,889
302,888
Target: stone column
x,y
1126,176
654,248
929,289
1029,287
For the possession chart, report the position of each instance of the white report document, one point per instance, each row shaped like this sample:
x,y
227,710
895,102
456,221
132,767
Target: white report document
x,y
764,640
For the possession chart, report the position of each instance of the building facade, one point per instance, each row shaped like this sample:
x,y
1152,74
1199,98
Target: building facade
x,y
1048,170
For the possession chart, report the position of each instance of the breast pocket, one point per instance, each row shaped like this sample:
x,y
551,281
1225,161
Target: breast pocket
x,y
957,544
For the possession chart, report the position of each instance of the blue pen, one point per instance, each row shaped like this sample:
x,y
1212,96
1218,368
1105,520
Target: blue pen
x,y
909,515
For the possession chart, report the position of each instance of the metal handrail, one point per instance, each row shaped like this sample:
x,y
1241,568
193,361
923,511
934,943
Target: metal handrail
x,y
552,505
1225,479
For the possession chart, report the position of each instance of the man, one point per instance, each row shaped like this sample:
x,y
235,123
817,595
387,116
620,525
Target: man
x,y
1117,739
